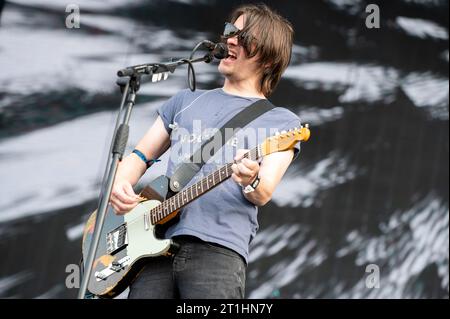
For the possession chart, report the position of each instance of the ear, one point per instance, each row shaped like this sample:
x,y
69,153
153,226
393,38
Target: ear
x,y
267,67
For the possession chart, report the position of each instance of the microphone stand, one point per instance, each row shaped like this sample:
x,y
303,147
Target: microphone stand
x,y
129,88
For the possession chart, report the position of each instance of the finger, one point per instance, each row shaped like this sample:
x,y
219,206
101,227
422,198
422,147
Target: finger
x,y
253,165
117,210
120,205
124,208
124,198
129,191
236,178
245,171
240,153
113,199
235,169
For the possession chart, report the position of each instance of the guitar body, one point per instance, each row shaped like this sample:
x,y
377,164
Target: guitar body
x,y
126,241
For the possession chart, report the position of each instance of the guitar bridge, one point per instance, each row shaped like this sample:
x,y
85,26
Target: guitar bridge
x,y
116,239
113,268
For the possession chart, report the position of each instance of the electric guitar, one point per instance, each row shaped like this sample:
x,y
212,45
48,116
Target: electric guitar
x,y
128,240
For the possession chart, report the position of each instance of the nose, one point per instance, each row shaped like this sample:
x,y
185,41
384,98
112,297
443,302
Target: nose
x,y
232,41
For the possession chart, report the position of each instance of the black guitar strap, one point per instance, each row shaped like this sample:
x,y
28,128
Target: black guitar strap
x,y
186,171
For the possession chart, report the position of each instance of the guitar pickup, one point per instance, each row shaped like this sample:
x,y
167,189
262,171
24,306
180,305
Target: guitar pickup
x,y
116,240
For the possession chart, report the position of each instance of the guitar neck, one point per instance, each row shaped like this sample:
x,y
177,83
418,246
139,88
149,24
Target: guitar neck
x,y
188,194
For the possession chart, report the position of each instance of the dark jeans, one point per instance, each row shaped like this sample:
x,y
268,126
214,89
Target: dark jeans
x,y
199,270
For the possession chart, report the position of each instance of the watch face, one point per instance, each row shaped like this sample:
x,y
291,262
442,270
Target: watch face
x,y
248,189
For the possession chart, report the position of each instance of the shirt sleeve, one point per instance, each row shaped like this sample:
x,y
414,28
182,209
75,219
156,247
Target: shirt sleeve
x,y
169,109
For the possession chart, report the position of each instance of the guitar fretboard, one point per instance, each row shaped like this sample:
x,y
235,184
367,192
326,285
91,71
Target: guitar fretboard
x,y
188,194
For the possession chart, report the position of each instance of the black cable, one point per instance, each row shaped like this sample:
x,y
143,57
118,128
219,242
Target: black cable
x,y
191,75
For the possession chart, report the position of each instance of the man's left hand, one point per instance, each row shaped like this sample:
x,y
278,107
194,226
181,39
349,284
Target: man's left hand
x,y
246,170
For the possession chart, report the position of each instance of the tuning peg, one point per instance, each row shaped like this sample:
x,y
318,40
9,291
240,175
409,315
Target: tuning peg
x,y
277,133
283,132
306,125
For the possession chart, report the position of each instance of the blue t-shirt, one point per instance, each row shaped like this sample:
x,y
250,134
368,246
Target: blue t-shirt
x,y
222,215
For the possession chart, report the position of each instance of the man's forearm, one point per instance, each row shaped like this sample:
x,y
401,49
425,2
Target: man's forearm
x,y
131,168
262,194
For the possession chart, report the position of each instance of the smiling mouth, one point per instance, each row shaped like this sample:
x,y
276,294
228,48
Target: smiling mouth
x,y
231,57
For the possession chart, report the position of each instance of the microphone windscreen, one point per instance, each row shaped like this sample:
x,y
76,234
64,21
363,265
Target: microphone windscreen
x,y
220,51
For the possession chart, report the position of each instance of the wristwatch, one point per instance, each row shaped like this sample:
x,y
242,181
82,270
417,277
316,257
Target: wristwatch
x,y
251,187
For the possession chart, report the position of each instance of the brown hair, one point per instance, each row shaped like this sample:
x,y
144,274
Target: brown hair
x,y
273,37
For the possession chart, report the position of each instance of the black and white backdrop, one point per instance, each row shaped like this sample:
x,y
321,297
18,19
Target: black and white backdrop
x,y
370,189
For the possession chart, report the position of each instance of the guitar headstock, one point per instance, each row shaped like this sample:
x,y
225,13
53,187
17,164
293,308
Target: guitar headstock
x,y
285,140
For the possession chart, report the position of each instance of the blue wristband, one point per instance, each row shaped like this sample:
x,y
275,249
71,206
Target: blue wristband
x,y
142,157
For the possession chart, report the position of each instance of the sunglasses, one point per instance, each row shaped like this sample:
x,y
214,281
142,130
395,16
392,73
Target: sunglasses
x,y
230,30
244,39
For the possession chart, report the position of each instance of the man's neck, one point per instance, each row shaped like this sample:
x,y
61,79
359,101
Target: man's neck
x,y
241,88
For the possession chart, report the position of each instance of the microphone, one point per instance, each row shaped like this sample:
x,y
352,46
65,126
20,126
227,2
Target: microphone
x,y
218,50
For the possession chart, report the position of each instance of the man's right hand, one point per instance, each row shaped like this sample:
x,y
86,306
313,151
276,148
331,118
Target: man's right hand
x,y
123,198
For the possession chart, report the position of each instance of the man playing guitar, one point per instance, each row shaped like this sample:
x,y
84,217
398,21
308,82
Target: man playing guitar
x,y
215,230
